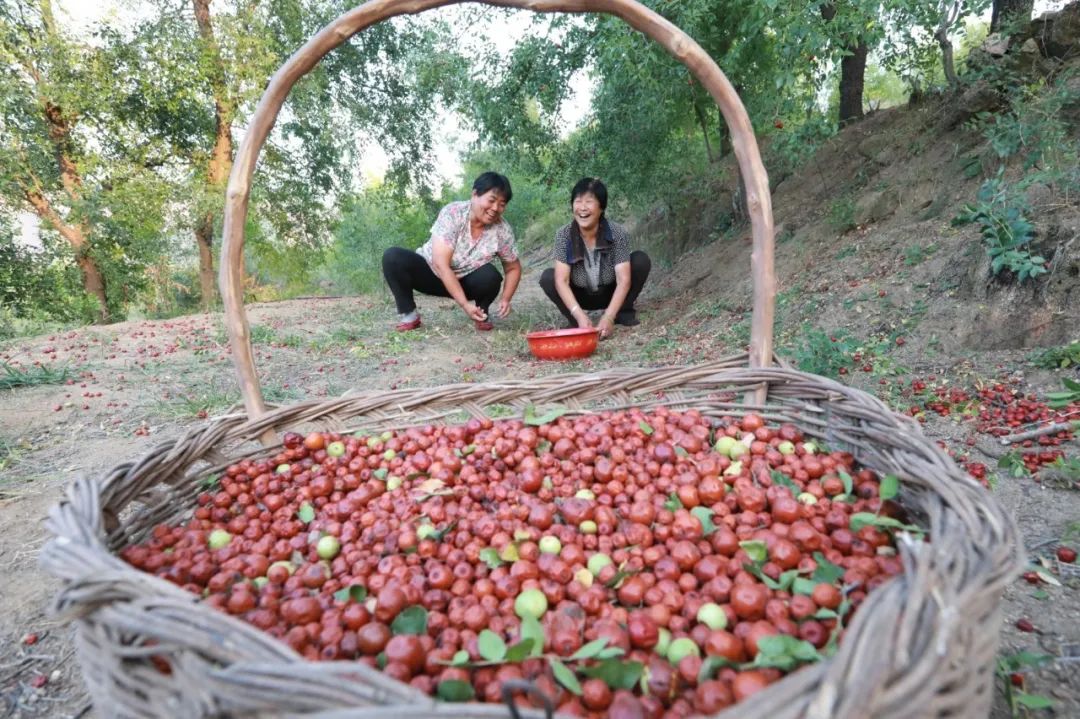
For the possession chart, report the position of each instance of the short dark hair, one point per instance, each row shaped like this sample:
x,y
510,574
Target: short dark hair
x,y
593,185
493,181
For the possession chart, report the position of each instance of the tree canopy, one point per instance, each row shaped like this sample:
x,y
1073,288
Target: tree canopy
x,y
121,139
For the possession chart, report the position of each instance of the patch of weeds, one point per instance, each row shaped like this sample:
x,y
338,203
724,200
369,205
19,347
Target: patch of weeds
x,y
10,452
294,341
509,335
14,377
1012,463
1066,397
937,206
787,296
339,338
1058,357
1062,473
1006,231
1035,127
824,354
344,336
841,215
398,343
220,336
789,150
1010,671
201,402
912,315
714,308
740,331
947,284
498,411
971,166
877,350
659,348
261,335
361,351
459,417
847,251
917,254
279,394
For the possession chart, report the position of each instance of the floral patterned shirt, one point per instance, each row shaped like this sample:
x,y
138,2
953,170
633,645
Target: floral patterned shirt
x,y
452,228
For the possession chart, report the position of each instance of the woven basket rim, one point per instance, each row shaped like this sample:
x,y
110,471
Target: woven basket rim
x,y
978,555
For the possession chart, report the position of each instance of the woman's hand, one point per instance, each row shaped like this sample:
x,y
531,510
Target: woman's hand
x,y
606,326
474,312
504,307
581,317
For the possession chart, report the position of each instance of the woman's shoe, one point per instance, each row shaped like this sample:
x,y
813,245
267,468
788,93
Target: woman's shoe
x,y
484,325
627,319
406,326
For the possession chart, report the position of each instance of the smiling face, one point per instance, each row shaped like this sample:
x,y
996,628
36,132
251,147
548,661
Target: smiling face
x,y
489,207
587,211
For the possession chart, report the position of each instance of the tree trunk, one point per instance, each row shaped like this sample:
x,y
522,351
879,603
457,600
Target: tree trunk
x,y
852,72
204,241
852,75
1006,11
723,147
76,235
947,56
700,112
220,163
94,285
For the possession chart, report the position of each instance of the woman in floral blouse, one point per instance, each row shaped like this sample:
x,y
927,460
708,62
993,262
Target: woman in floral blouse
x,y
456,261
594,267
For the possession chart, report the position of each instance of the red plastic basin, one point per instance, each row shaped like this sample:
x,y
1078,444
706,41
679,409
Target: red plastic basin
x,y
563,344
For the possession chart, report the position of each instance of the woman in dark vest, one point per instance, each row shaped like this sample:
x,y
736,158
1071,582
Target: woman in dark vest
x,y
594,267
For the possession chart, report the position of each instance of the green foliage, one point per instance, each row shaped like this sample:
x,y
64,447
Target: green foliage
x,y
1058,357
798,142
372,221
824,354
842,214
883,87
13,377
1035,127
912,48
1006,230
1070,395
1013,463
39,286
58,158
917,254
1018,700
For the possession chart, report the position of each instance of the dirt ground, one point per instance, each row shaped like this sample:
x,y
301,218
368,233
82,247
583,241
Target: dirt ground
x,y
138,383
903,285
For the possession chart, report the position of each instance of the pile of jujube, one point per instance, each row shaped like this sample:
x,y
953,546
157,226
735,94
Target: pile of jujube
x,y
626,563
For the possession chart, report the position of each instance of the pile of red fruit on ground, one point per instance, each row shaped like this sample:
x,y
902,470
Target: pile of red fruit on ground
x,y
627,564
998,410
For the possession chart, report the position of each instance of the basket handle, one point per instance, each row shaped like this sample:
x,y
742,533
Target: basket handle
x,y
675,41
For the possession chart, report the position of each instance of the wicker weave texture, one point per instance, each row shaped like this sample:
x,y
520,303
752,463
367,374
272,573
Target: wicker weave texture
x,y
921,645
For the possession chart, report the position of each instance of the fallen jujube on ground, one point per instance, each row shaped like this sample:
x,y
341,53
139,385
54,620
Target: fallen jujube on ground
x,y
661,564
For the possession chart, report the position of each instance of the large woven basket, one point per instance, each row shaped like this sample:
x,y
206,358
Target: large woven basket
x,y
921,645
